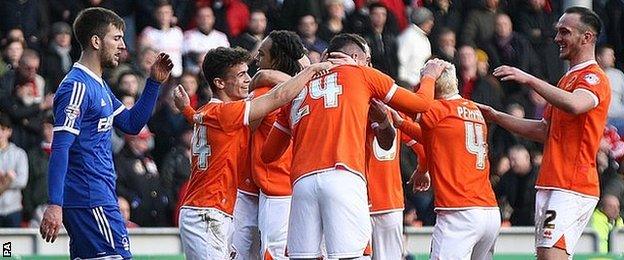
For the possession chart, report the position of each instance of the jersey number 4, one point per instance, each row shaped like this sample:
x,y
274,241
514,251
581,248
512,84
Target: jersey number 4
x,y
326,88
200,147
475,143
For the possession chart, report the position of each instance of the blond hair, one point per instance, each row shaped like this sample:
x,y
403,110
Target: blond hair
x,y
447,84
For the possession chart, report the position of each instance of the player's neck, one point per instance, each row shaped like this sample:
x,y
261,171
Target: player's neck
x,y
582,56
92,62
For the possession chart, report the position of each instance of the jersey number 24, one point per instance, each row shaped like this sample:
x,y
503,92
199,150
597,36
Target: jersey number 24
x,y
326,88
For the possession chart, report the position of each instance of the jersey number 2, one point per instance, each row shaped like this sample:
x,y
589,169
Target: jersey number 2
x,y
200,147
326,88
475,143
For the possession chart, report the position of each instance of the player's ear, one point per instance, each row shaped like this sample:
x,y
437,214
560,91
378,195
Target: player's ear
x,y
219,83
95,41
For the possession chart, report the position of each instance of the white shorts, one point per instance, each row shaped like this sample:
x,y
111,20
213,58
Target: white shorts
x,y
388,235
246,238
273,216
560,218
468,234
205,233
333,204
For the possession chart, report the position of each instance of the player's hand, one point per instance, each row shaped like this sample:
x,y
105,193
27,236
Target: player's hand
x,y
162,68
51,223
397,119
340,58
420,181
322,66
507,73
434,68
304,61
378,112
488,112
181,98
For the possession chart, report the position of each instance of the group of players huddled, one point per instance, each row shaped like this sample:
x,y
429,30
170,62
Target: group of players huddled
x,y
306,165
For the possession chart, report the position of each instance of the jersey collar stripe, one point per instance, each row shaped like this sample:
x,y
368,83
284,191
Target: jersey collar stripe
x,y
581,66
89,72
390,94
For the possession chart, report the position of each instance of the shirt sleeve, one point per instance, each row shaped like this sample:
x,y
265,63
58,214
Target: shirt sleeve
x,y
71,101
234,115
381,85
596,84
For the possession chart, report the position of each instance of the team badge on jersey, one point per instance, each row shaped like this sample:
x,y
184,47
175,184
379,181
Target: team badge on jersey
x,y
72,111
591,79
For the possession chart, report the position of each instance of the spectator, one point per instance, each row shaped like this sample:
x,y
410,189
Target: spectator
x,y
124,207
57,59
479,24
256,30
382,41
128,84
139,182
516,188
474,86
446,15
334,23
200,40
13,176
36,191
606,219
536,25
509,48
615,27
26,15
166,38
307,29
176,166
11,53
414,46
145,59
445,48
605,56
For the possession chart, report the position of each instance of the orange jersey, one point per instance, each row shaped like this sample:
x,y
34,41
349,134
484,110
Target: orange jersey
x,y
569,161
455,141
273,179
328,119
383,173
219,139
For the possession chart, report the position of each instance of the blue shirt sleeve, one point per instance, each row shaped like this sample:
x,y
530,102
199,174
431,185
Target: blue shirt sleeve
x,y
131,121
57,167
70,103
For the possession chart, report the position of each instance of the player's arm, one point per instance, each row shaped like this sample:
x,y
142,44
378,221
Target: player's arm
x,y
413,103
268,77
420,179
131,121
384,132
536,130
577,102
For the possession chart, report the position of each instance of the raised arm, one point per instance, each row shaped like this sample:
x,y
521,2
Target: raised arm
x,y
413,103
536,130
577,102
384,132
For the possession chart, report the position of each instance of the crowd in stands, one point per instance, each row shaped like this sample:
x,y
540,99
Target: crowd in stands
x,y
38,48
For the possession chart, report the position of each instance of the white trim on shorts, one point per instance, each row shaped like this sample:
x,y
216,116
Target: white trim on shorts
x,y
103,225
386,211
108,257
568,191
335,167
205,208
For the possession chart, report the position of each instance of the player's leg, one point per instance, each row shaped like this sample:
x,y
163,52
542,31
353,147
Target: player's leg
x,y
387,235
246,238
95,232
560,219
304,226
454,235
344,210
273,214
490,222
205,234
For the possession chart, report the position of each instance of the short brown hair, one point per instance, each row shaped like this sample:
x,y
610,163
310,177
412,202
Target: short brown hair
x,y
95,21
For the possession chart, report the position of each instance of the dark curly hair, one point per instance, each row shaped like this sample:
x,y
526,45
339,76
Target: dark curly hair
x,y
219,60
286,50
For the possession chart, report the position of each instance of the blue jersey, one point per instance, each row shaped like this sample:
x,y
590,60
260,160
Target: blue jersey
x,y
85,106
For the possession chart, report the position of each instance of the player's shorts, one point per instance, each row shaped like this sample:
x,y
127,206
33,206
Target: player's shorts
x,y
333,204
560,218
96,233
273,213
246,238
468,234
387,235
205,233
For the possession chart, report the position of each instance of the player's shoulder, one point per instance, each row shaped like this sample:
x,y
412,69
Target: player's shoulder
x,y
75,79
259,91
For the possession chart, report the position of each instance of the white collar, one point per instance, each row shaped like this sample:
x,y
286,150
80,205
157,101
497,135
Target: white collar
x,y
215,100
89,72
453,97
581,65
